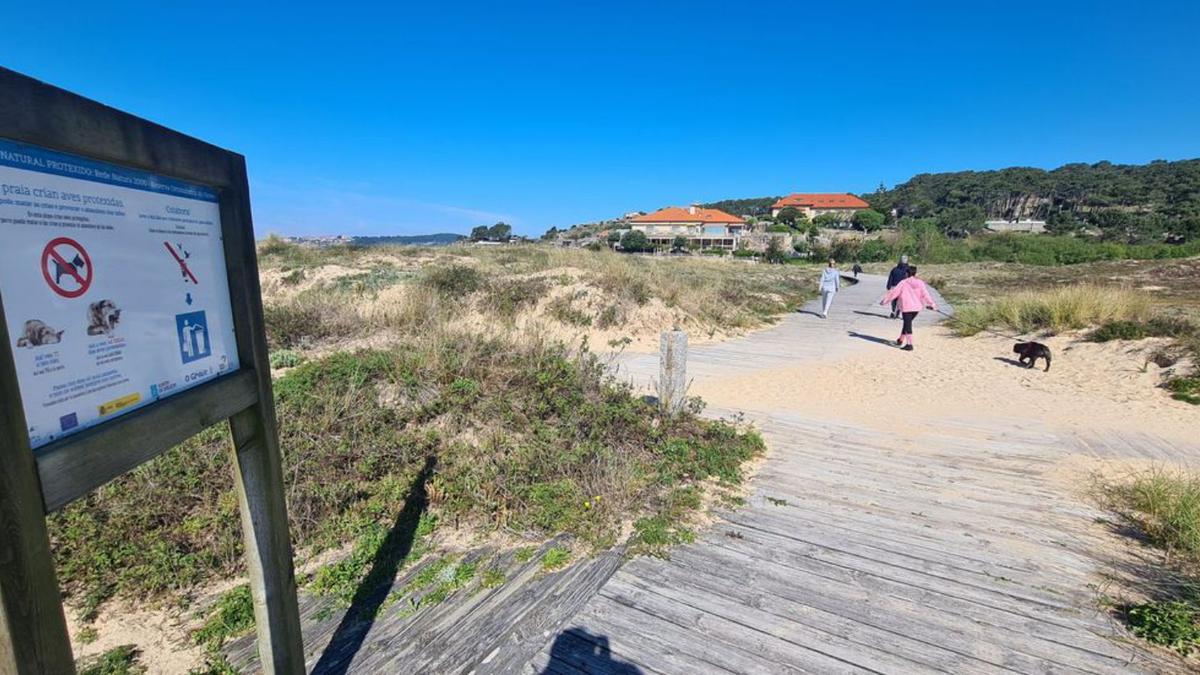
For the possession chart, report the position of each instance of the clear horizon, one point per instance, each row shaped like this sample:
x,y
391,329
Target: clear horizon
x,y
402,120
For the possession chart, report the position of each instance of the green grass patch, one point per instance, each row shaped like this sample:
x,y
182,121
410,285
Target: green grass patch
x,y
121,660
231,616
555,557
492,578
524,554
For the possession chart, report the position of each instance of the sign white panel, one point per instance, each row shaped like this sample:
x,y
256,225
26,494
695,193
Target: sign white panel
x,y
114,287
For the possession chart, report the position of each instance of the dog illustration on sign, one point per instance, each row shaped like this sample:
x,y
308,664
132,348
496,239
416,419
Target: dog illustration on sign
x,y
37,333
72,267
103,317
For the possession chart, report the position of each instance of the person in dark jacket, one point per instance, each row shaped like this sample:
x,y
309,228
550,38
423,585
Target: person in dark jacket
x,y
857,269
899,273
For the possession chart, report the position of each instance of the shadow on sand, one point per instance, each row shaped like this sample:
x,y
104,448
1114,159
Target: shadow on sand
x,y
872,338
878,314
1011,362
575,649
809,311
374,589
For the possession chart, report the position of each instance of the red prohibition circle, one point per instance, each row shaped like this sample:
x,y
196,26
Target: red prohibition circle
x,y
49,253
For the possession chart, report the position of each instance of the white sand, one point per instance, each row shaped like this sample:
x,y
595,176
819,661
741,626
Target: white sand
x,y
1090,386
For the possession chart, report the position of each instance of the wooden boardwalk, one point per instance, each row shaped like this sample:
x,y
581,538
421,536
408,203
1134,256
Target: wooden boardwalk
x,y
950,549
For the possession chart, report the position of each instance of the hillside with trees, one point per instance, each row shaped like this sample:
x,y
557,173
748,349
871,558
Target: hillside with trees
x,y
1126,203
754,206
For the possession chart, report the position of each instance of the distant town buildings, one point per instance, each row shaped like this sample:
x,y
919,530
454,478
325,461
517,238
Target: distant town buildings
x,y
813,205
1029,226
709,228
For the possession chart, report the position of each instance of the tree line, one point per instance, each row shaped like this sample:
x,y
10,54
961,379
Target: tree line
x,y
1122,203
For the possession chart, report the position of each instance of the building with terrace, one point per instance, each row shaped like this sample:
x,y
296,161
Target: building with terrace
x,y
704,228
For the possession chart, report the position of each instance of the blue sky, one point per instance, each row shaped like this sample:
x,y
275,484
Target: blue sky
x,y
407,118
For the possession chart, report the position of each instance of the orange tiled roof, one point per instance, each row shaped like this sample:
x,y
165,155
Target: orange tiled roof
x,y
822,201
679,214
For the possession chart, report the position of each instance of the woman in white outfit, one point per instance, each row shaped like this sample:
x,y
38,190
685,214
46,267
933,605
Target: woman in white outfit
x,y
831,281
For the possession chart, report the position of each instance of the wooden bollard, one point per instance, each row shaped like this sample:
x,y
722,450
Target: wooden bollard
x,y
672,370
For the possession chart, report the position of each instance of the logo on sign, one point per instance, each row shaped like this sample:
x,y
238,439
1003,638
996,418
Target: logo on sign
x,y
192,329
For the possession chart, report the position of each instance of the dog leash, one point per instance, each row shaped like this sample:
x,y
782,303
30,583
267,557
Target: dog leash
x,y
980,328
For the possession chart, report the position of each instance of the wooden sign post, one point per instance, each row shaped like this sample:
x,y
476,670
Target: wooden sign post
x,y
93,385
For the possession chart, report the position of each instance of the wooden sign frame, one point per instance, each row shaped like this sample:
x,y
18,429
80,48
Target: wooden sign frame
x,y
33,631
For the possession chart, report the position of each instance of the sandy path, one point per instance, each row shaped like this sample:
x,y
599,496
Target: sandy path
x,y
917,512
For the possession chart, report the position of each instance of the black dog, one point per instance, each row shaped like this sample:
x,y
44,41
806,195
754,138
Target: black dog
x,y
1032,351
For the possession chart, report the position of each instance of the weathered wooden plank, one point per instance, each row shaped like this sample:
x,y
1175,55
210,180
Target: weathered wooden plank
x,y
81,463
988,606
906,620
256,455
33,628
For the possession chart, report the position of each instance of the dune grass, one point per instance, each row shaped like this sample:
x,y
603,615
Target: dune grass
x,y
1055,310
1164,505
494,287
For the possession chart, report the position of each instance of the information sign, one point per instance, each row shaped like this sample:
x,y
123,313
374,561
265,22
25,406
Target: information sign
x,y
115,287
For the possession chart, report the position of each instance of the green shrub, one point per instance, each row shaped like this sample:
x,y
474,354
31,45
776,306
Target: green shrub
x,y
564,310
1136,330
1169,623
286,358
232,616
369,283
307,318
1186,389
121,660
1119,330
508,297
453,281
293,278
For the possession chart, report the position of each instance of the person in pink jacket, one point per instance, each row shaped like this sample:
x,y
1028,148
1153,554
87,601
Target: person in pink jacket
x,y
911,295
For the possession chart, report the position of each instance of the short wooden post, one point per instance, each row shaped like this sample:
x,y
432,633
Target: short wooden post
x,y
33,627
672,370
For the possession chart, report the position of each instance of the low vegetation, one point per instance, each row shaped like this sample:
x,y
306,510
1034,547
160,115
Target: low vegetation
x,y
524,436
122,660
566,291
1164,506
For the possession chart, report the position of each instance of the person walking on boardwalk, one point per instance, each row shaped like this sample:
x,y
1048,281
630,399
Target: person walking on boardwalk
x,y
899,273
831,281
857,268
911,295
